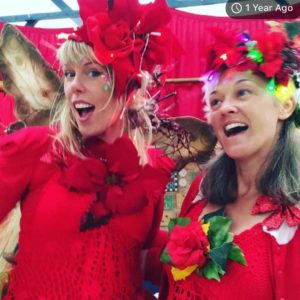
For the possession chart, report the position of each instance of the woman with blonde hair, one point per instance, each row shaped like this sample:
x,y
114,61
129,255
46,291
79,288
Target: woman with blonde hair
x,y
91,199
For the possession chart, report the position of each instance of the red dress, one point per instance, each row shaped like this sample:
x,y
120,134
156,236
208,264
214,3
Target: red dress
x,y
57,260
271,273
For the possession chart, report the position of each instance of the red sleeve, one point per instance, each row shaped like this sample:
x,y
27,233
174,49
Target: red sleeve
x,y
19,152
153,266
154,245
157,237
192,193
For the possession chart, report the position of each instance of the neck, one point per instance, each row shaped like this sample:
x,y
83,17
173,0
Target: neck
x,y
246,178
114,131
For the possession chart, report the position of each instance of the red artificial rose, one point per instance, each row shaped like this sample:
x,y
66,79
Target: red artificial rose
x,y
110,40
271,45
188,245
271,67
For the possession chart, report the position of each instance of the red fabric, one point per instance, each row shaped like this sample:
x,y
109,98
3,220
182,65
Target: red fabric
x,y
193,34
153,266
55,260
271,273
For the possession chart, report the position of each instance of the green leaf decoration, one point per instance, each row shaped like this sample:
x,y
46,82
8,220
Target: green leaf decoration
x,y
255,55
219,212
165,258
221,247
271,86
292,28
178,221
218,231
220,255
237,255
211,270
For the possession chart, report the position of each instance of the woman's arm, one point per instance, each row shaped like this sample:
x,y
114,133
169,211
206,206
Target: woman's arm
x,y
19,154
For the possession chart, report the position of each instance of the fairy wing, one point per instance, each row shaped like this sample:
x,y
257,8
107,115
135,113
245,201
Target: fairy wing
x,y
9,233
185,140
31,81
35,88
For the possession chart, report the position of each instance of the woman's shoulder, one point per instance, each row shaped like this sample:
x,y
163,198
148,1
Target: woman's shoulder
x,y
26,141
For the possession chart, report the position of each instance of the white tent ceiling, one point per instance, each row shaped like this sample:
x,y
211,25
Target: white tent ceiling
x,y
46,10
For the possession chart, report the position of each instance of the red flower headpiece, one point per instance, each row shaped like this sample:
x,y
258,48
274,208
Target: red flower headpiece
x,y
128,36
271,53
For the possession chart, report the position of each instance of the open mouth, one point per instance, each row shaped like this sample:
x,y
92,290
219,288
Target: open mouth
x,y
84,109
234,129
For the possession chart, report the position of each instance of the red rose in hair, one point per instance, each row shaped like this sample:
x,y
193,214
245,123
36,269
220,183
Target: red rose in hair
x,y
188,245
128,36
271,45
110,40
228,50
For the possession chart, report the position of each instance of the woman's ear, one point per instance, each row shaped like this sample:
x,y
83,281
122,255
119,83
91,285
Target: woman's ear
x,y
287,108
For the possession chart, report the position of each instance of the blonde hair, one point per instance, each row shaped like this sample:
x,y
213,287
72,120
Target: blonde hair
x,y
69,137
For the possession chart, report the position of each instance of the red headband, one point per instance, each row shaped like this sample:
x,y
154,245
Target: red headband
x,y
128,36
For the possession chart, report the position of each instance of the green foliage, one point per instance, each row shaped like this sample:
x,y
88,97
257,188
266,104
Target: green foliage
x,y
178,221
211,270
220,255
221,248
165,257
237,255
292,28
218,231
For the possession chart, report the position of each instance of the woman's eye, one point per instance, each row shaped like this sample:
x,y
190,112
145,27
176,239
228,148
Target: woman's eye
x,y
95,73
69,74
214,103
243,92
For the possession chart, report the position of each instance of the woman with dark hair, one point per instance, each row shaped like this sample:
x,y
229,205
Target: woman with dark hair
x,y
237,236
91,198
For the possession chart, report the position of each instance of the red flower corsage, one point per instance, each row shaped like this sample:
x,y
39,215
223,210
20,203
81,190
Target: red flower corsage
x,y
202,247
121,185
188,245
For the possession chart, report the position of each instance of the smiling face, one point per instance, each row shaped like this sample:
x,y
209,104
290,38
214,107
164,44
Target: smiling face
x,y
88,89
245,117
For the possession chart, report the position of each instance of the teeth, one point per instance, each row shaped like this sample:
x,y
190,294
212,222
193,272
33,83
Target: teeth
x,y
233,125
82,105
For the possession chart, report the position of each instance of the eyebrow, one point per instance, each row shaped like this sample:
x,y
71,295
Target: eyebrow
x,y
90,63
242,80
235,83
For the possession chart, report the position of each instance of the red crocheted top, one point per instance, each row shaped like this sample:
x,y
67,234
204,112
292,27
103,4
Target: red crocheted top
x,y
55,259
271,272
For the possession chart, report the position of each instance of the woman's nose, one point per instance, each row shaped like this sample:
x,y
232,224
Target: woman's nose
x,y
77,85
228,106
